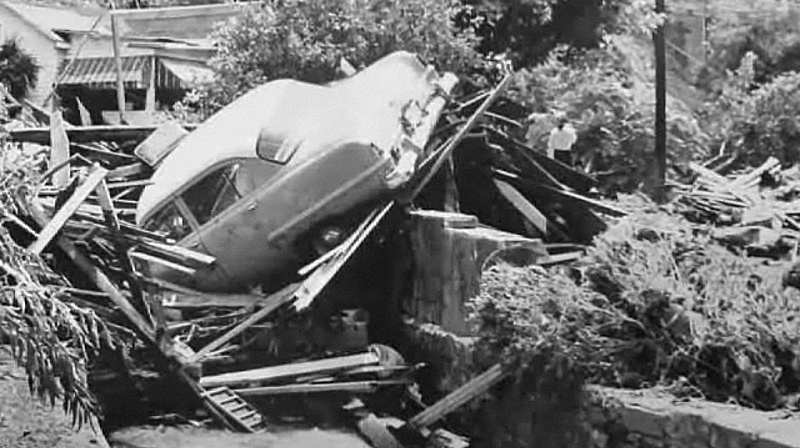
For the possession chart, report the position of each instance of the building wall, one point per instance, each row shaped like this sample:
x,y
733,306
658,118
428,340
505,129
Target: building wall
x,y
37,45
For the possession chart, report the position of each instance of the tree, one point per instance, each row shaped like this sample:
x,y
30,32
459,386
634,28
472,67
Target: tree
x,y
18,70
527,30
306,39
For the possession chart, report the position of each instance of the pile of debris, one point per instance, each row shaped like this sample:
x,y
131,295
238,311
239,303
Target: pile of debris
x,y
753,210
193,330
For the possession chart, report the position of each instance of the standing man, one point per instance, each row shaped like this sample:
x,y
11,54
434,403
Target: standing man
x,y
559,145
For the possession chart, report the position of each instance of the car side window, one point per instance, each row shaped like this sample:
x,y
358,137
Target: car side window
x,y
213,193
222,187
170,221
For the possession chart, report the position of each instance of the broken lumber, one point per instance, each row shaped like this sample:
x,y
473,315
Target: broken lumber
x,y
142,326
454,400
354,387
528,210
269,304
71,206
285,371
316,282
444,153
59,150
180,300
86,134
160,143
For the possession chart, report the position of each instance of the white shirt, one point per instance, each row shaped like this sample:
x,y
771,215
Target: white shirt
x,y
561,139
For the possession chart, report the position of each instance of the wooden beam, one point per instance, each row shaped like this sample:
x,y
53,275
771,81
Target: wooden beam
x,y
531,213
319,279
472,389
443,154
183,300
178,253
284,371
354,387
147,258
269,304
71,206
59,150
88,134
97,276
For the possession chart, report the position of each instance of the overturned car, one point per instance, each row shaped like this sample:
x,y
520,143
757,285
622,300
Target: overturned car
x,y
275,178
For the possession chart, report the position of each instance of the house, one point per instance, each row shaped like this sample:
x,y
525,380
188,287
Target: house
x,y
47,34
163,53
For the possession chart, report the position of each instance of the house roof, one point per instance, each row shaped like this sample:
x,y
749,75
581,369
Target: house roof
x,y
50,19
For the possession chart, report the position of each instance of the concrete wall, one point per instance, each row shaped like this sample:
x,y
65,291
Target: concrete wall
x,y
33,41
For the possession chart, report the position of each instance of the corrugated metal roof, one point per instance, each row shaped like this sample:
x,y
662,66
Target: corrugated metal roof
x,y
101,73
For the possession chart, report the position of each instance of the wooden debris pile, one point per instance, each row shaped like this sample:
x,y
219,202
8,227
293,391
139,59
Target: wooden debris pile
x,y
228,351
752,210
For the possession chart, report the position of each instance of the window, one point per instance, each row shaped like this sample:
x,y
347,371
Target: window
x,y
275,147
171,222
221,188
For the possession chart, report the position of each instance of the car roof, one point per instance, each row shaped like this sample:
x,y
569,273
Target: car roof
x,y
366,107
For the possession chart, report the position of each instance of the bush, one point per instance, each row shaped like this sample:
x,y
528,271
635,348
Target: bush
x,y
655,303
18,70
48,335
759,123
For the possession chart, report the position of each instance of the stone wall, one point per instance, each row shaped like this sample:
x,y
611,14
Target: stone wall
x,y
652,419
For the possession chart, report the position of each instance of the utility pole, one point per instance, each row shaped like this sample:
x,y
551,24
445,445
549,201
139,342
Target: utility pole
x,y
659,40
118,67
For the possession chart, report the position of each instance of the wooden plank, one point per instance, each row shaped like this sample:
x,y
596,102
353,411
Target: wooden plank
x,y
174,252
320,278
569,196
472,389
561,258
59,150
126,171
444,153
130,183
71,206
269,304
147,258
86,134
531,213
355,387
564,174
178,299
284,371
97,276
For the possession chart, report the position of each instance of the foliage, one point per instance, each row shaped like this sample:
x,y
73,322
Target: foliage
x,y
52,338
18,69
757,123
610,105
773,37
527,30
306,40
655,303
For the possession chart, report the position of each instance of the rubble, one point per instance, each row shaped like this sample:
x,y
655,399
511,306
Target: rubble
x,y
220,322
